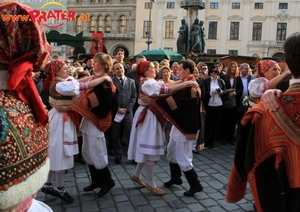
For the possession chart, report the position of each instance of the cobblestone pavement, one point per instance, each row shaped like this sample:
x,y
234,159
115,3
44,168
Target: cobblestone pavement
x,y
213,168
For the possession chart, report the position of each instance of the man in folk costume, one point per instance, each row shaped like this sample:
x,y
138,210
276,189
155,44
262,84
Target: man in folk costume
x,y
180,154
268,147
98,107
24,129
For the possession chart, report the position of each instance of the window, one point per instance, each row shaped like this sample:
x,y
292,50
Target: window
x,y
170,5
168,48
100,24
79,1
93,24
234,30
212,30
169,31
214,5
257,29
122,24
147,29
211,51
283,6
108,24
148,5
258,5
281,32
235,5
233,52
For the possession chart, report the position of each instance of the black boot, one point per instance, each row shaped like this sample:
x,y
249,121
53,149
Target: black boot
x,y
108,182
175,175
195,185
96,183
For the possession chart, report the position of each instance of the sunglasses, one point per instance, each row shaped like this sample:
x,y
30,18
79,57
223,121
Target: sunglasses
x,y
214,71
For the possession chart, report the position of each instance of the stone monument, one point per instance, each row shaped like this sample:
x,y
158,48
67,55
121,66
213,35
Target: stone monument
x,y
195,41
182,40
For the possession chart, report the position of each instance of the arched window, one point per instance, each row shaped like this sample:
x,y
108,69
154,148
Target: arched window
x,y
122,24
100,24
93,24
78,25
108,24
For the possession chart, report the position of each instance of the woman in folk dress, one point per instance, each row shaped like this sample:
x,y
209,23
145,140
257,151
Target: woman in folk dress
x,y
63,90
147,136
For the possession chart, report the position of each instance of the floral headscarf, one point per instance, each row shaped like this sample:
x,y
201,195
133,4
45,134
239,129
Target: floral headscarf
x,y
24,49
51,69
263,66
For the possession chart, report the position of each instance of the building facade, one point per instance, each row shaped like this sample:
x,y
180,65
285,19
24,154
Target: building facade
x,y
248,27
234,27
114,19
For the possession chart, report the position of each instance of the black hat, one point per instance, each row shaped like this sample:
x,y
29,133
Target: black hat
x,y
87,58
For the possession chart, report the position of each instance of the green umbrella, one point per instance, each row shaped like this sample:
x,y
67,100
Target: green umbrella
x,y
160,54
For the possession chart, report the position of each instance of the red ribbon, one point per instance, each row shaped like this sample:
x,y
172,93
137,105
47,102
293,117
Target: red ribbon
x,y
74,116
21,81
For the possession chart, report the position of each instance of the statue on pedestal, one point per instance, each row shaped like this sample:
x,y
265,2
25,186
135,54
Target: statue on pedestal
x,y
182,40
195,39
202,35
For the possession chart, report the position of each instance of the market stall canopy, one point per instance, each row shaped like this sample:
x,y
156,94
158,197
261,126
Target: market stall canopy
x,y
160,54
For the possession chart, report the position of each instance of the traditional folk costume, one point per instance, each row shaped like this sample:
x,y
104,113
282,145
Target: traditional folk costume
x,y
98,107
147,138
259,85
24,131
63,126
267,155
183,110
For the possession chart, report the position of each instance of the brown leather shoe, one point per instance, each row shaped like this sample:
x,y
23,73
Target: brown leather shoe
x,y
157,191
137,180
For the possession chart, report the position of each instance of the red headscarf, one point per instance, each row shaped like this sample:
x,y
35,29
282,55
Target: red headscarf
x,y
142,67
24,49
51,69
263,66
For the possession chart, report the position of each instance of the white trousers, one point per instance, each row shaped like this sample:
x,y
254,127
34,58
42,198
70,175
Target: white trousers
x,y
94,151
181,153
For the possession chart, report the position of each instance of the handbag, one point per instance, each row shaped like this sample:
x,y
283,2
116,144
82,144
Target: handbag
x,y
229,101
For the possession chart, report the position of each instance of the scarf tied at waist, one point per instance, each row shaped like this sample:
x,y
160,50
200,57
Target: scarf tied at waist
x,y
160,117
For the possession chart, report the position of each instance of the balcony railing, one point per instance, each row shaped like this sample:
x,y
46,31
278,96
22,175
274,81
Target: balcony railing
x,y
125,36
270,43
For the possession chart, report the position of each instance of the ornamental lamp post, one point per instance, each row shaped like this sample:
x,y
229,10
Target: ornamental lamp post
x,y
149,30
